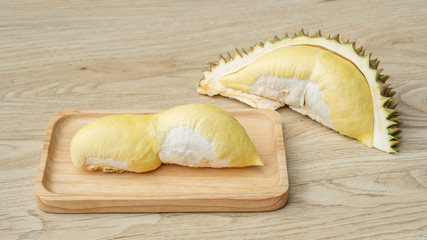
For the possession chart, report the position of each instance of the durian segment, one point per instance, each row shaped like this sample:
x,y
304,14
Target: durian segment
x,y
196,135
332,82
114,143
339,82
223,132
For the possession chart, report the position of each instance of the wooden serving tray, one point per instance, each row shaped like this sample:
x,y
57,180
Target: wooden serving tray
x,y
62,188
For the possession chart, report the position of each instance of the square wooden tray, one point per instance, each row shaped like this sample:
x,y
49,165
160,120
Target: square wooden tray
x,y
62,188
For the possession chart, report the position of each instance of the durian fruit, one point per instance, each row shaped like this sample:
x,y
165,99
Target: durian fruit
x,y
195,135
332,82
116,143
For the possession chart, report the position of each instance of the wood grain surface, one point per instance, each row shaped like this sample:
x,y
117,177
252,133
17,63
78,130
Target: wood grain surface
x,y
59,55
62,188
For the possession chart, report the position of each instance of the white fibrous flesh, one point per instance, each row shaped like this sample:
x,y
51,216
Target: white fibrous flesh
x,y
106,164
302,96
185,146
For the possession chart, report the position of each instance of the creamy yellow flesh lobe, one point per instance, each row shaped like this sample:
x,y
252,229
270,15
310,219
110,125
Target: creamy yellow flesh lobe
x,y
340,82
215,125
125,138
134,141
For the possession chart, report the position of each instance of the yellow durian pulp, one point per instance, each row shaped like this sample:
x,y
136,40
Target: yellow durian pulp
x,y
122,138
329,81
134,142
340,82
216,126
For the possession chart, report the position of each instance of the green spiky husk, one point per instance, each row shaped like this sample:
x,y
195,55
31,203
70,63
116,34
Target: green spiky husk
x,y
390,104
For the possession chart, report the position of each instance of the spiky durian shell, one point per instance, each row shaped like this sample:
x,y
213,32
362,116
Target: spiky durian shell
x,y
385,100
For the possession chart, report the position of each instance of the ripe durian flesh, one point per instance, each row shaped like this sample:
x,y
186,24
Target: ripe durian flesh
x,y
195,135
331,82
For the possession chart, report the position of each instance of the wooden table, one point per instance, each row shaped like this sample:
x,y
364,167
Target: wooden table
x,y
59,55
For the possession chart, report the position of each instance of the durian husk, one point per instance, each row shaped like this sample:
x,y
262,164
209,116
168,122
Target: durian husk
x,y
385,99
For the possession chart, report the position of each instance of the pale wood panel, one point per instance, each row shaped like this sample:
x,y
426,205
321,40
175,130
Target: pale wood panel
x,y
58,55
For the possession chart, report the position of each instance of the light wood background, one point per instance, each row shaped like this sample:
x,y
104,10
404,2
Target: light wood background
x,y
59,55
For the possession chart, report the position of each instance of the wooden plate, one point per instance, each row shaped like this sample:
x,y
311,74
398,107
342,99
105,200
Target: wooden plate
x,y
62,188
